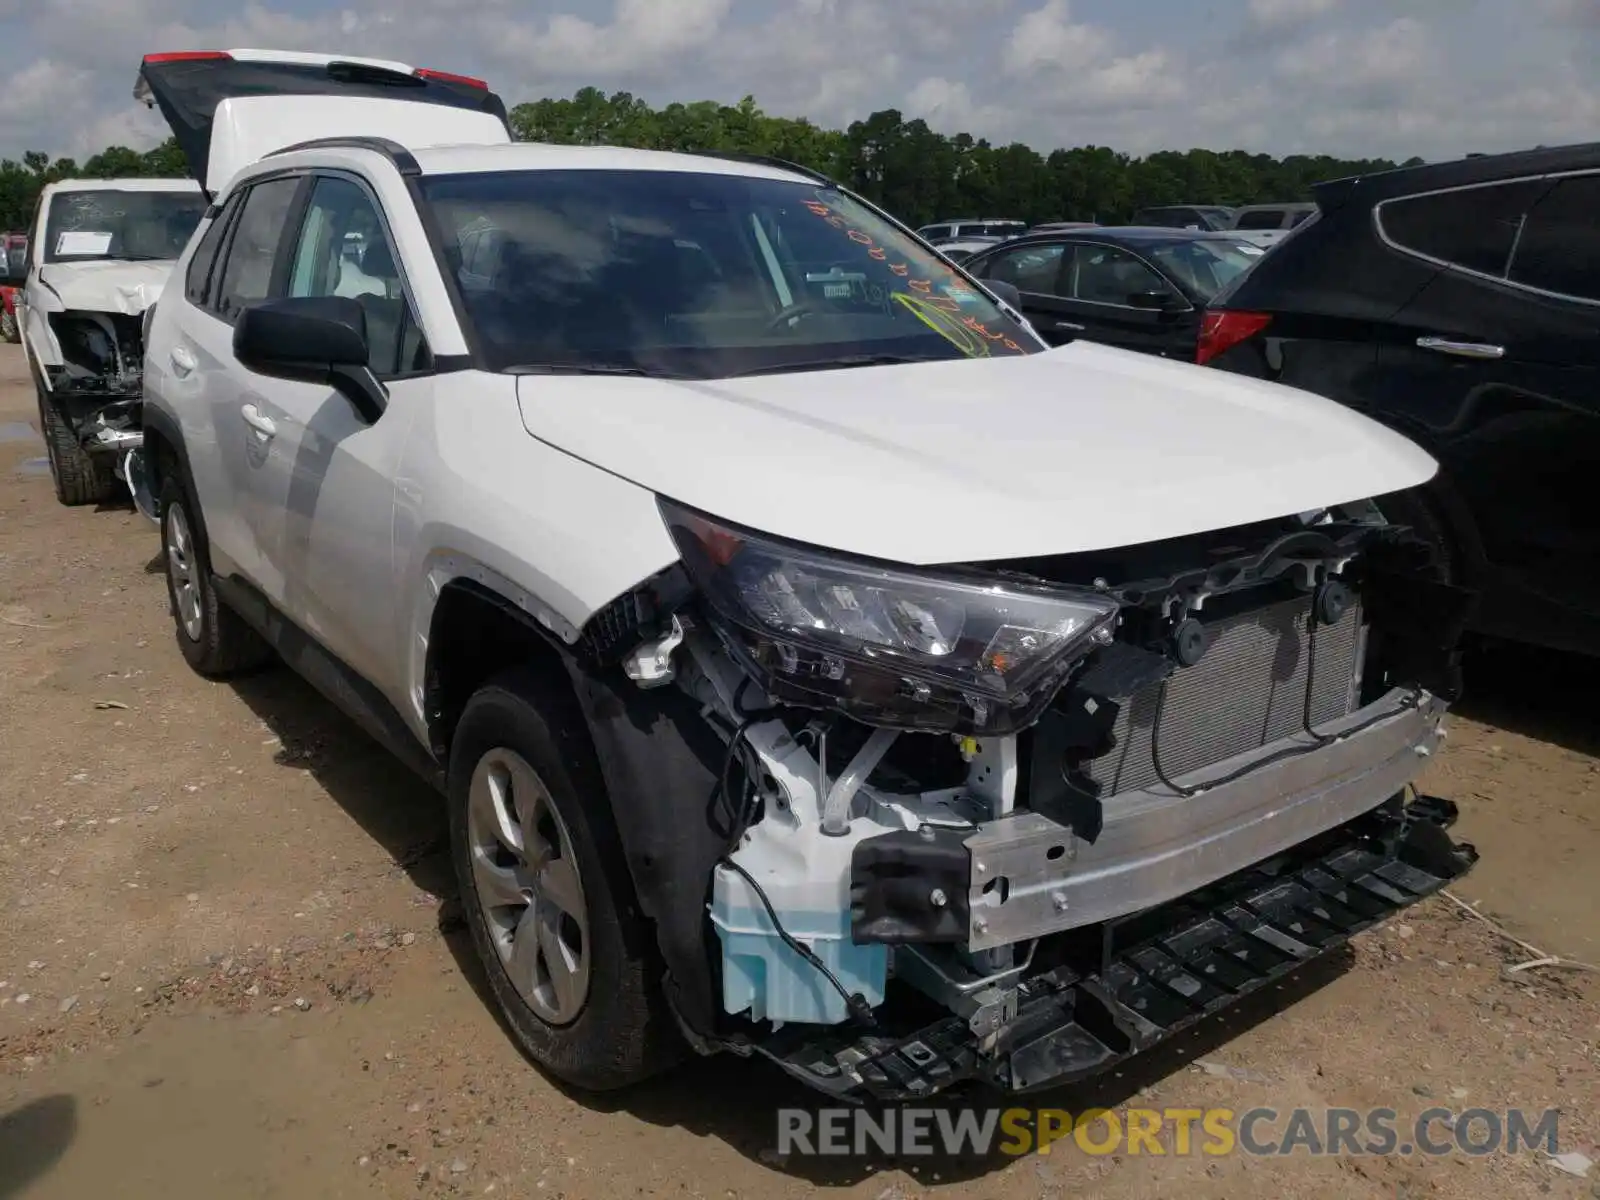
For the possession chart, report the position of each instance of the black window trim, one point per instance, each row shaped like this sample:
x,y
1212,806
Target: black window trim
x,y
1504,279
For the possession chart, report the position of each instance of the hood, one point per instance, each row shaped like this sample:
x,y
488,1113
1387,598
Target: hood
x,y
110,286
1081,448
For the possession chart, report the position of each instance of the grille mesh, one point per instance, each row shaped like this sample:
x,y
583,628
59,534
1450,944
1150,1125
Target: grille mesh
x,y
1247,691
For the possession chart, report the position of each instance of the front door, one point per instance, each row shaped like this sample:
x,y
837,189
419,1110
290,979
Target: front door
x,y
1497,372
324,496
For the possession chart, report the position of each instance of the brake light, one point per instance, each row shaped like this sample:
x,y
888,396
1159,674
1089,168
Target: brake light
x,y
186,56
1221,330
447,77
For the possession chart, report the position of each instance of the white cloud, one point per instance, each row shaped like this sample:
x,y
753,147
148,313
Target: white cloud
x,y
1289,12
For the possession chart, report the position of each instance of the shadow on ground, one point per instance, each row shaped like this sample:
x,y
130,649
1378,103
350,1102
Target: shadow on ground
x,y
732,1099
1541,694
33,1139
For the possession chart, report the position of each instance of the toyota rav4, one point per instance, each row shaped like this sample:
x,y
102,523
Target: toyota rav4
x,y
817,665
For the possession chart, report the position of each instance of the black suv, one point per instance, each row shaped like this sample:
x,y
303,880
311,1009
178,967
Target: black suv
x,y
1458,303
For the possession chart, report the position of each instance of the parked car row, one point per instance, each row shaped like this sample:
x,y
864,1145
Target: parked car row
x,y
1458,303
818,663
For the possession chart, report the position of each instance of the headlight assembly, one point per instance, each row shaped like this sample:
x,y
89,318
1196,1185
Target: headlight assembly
x,y
898,646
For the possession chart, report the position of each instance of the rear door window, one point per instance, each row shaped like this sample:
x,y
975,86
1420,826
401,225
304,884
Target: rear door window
x,y
1034,269
1473,228
1559,250
253,251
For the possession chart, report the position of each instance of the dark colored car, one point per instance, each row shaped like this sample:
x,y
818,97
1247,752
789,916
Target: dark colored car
x,y
1215,217
1459,303
1142,289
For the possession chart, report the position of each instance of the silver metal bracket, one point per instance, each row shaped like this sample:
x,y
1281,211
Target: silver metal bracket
x,y
650,663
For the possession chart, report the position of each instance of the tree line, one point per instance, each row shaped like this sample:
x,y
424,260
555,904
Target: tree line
x,y
916,173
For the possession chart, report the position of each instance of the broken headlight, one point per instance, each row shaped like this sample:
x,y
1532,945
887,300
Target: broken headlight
x,y
895,646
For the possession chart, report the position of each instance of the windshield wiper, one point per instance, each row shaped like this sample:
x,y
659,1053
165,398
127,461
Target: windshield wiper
x,y
843,360
557,368
138,257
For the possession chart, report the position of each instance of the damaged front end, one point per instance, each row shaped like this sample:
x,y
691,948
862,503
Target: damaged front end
x,y
1013,822
95,386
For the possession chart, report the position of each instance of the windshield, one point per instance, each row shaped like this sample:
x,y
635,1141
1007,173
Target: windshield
x,y
1204,266
698,274
133,225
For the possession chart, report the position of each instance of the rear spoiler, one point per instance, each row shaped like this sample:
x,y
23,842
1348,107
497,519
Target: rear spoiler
x,y
188,85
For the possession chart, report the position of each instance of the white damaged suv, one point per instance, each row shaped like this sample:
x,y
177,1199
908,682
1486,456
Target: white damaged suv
x,y
817,665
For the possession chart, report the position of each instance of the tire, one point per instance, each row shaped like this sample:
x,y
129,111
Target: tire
x,y
1423,515
80,477
527,735
214,639
8,327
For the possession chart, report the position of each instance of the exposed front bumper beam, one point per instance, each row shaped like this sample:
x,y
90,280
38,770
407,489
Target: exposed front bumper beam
x,y
1032,877
1158,973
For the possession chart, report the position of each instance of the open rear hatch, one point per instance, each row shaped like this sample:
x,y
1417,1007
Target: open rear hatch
x,y
230,108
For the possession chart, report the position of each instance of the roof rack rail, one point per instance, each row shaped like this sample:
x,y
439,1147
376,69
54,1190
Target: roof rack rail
x,y
404,161
767,160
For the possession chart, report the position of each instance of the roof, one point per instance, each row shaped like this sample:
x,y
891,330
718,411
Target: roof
x,y
123,185
1285,205
540,156
1461,172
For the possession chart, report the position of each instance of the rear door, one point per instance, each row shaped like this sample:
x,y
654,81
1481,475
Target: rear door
x,y
1495,367
190,364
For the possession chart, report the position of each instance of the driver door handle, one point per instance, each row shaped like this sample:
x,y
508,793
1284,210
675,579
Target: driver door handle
x,y
182,361
258,420
1069,325
1461,349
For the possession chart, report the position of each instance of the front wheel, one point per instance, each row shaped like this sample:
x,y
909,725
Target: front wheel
x,y
545,891
80,477
8,327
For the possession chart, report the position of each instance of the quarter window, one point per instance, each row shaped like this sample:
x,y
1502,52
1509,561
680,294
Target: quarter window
x,y
1559,250
1473,228
197,282
247,275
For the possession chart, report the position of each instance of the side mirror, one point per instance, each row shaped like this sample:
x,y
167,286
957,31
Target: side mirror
x,y
1156,300
1006,292
312,339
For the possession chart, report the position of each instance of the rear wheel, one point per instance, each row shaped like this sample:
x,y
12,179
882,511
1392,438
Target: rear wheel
x,y
214,639
545,891
80,477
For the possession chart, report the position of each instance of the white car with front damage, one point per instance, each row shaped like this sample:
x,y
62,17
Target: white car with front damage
x,y
99,253
816,664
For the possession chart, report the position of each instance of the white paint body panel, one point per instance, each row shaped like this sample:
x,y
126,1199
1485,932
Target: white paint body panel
x,y
1081,448
248,128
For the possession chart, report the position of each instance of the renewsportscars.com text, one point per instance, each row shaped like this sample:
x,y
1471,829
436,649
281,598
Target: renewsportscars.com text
x,y
1177,1132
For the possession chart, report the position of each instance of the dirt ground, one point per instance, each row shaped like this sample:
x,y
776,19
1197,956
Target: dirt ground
x,y
230,967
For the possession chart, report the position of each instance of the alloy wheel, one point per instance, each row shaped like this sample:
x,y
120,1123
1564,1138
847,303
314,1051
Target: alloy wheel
x,y
528,886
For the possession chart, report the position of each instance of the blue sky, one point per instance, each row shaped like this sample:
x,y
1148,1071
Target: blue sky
x,y
1435,78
